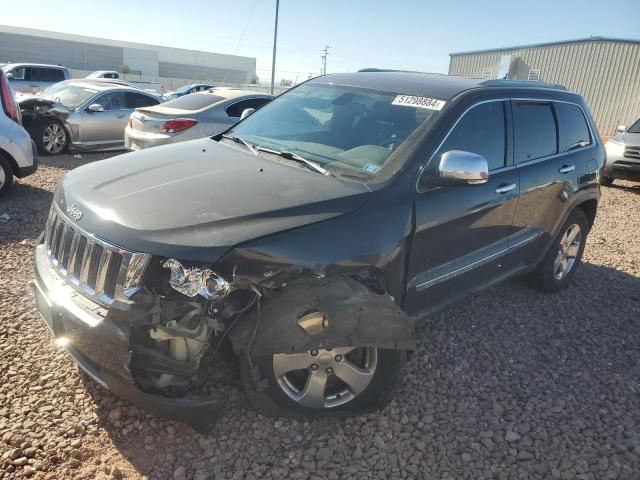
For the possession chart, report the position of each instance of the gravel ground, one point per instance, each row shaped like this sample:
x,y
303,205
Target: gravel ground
x,y
511,384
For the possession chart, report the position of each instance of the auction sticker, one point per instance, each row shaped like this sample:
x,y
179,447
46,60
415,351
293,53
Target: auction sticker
x,y
419,102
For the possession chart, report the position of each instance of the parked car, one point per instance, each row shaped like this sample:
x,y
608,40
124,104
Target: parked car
x,y
104,74
192,116
187,89
312,234
34,77
623,155
82,114
16,148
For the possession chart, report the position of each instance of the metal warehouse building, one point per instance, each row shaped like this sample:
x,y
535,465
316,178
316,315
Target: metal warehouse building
x,y
89,53
606,71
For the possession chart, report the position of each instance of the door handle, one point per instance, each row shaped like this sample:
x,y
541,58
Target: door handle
x,y
567,168
33,85
505,187
120,115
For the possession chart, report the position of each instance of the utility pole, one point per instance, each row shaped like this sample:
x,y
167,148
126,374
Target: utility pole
x,y
324,59
275,39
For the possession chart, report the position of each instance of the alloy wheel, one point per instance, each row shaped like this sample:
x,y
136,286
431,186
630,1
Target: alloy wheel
x,y
54,138
325,378
567,251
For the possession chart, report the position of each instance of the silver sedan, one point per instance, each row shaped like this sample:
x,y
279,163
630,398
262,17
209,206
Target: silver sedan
x,y
192,116
82,115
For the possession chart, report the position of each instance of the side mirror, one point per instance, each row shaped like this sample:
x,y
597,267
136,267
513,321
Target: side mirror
x,y
462,168
621,128
95,107
9,76
246,112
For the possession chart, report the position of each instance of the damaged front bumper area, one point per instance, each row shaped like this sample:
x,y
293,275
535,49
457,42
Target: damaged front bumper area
x,y
98,338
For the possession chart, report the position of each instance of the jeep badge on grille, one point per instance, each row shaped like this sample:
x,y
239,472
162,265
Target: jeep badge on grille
x,y
74,212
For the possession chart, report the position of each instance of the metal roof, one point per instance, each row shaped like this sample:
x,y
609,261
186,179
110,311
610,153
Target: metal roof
x,y
547,44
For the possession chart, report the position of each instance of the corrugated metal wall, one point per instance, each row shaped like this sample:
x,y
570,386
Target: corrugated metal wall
x,y
606,73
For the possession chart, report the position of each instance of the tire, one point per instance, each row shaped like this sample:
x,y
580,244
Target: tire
x,y
6,176
270,394
551,276
50,136
606,180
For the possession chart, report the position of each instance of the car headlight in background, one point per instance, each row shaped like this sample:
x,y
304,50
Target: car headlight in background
x,y
192,281
614,149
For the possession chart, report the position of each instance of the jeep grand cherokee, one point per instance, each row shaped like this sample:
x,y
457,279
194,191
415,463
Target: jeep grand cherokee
x,y
310,235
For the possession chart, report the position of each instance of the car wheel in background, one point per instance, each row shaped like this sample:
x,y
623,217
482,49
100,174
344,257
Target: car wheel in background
x,y
606,181
50,136
560,263
345,380
6,176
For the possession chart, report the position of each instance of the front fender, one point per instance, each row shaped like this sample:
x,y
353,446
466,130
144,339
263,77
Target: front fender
x,y
355,316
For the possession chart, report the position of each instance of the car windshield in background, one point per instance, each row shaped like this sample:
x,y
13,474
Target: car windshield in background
x,y
193,101
635,128
341,128
69,95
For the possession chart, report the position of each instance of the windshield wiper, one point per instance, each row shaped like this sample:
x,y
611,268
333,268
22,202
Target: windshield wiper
x,y
296,158
242,141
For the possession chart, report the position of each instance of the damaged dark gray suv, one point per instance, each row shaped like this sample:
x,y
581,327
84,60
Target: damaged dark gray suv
x,y
307,238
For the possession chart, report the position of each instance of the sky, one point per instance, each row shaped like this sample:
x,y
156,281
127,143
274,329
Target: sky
x,y
401,34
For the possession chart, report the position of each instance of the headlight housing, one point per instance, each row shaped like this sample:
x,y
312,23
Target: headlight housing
x,y
192,281
614,149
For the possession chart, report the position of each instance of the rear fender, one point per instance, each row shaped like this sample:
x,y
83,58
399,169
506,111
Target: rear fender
x,y
354,315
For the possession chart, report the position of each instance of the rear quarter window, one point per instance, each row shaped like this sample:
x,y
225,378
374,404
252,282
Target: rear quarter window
x,y
535,131
572,127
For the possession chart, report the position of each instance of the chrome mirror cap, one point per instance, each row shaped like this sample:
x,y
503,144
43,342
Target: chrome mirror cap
x,y
95,107
621,128
246,112
458,166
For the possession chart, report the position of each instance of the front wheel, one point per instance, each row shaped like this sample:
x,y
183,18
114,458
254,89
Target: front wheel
x,y
607,181
50,136
6,176
561,261
345,380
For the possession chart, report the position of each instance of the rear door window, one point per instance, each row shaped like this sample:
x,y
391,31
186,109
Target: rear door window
x,y
572,127
42,74
535,131
481,131
137,100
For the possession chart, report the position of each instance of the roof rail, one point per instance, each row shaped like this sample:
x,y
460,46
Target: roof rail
x,y
521,83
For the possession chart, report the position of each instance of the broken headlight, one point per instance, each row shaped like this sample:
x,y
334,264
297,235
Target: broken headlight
x,y
192,281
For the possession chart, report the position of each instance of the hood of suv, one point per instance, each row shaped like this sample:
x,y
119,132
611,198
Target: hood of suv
x,y
627,138
195,200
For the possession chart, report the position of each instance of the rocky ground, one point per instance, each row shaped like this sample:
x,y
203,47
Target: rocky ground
x,y
511,384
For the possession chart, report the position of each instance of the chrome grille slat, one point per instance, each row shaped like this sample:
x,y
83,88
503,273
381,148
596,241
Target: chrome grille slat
x,y
632,152
95,268
73,250
103,268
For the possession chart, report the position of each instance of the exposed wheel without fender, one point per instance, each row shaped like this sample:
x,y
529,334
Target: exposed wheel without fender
x,y
348,380
560,263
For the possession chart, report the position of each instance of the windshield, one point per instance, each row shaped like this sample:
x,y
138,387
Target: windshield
x,y
69,95
635,128
342,128
184,88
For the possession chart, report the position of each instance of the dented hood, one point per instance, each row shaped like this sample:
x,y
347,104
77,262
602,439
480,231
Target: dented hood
x,y
195,200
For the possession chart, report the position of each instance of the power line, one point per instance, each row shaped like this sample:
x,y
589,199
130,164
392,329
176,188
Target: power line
x,y
244,30
324,59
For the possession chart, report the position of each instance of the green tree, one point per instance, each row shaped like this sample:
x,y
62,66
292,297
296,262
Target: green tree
x,y
125,69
